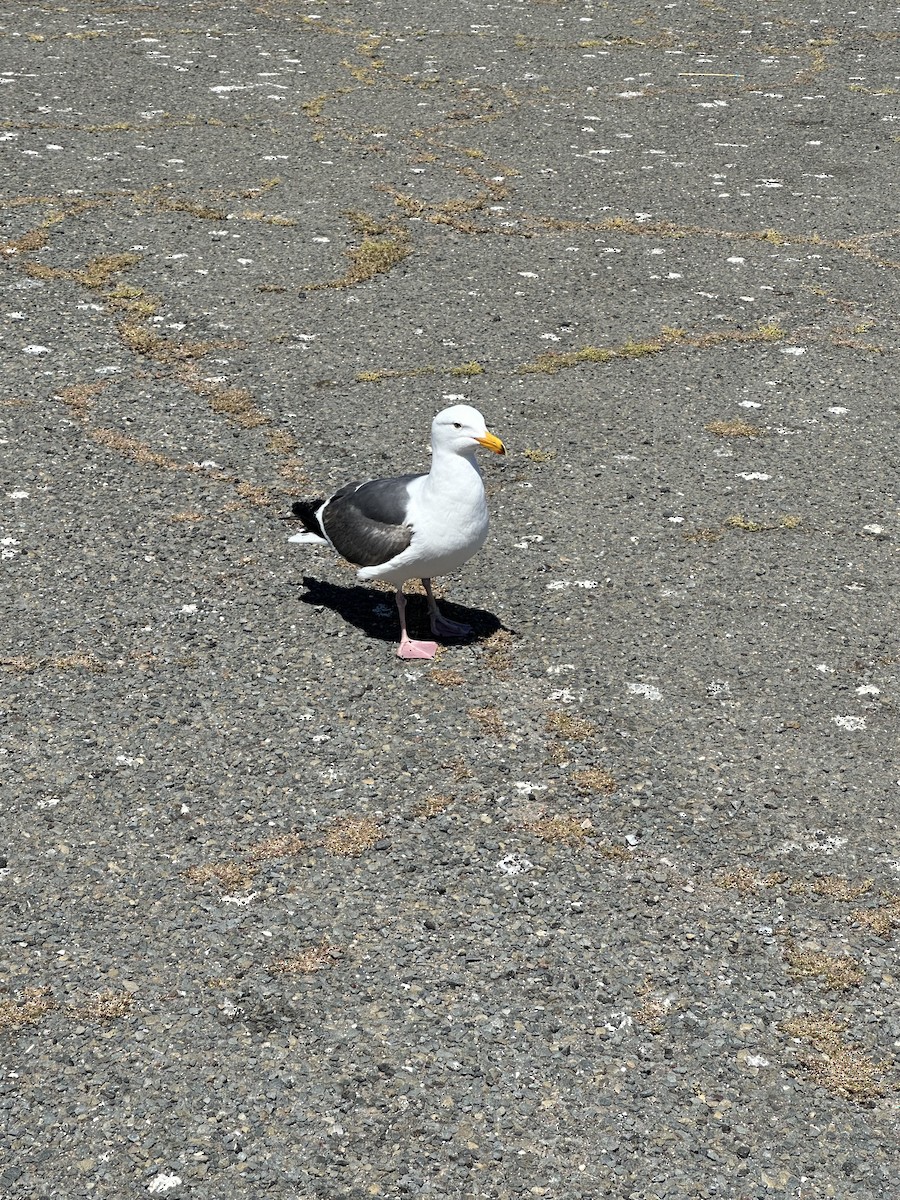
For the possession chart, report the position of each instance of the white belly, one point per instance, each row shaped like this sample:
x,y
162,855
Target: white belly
x,y
450,524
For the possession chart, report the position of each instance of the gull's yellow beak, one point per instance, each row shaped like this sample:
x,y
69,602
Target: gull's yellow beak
x,y
491,443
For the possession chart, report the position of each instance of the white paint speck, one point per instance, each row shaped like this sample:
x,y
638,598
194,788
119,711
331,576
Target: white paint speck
x,y
36,350
838,410
795,351
17,495
874,530
644,689
514,864
188,608
163,1183
756,1060
851,723
749,475
868,689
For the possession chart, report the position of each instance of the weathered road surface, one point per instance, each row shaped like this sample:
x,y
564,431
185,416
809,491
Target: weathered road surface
x,y
603,902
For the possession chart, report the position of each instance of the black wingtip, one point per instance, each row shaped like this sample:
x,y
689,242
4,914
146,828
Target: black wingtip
x,y
306,510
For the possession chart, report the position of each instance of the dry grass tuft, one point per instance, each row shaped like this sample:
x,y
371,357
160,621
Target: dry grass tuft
x,y
469,368
97,272
25,1008
106,1006
78,397
284,845
490,720
564,725
131,300
313,958
704,537
564,829
552,361
883,920
350,837
595,781
33,239
836,972
446,677
237,404
614,852
558,753
137,451
78,660
375,255
836,888
735,428
738,521
498,651
841,1067
20,664
650,1014
459,769
280,442
430,806
539,455
254,494
150,344
365,224
229,876
748,525
187,515
748,881
194,208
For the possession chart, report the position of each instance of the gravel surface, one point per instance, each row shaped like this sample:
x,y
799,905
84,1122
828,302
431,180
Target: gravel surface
x,y
604,902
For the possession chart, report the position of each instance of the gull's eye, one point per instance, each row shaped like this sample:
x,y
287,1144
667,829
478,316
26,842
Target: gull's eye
x,y
457,425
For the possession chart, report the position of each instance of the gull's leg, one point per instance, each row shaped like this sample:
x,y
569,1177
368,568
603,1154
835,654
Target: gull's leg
x,y
442,626
408,648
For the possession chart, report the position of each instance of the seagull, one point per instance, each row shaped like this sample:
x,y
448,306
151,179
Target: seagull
x,y
412,526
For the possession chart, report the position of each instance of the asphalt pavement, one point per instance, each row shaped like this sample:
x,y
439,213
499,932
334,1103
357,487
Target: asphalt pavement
x,y
603,902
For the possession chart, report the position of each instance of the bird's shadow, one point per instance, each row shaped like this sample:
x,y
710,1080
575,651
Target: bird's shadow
x,y
375,612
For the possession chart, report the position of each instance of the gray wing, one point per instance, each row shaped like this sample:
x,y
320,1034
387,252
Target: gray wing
x,y
367,522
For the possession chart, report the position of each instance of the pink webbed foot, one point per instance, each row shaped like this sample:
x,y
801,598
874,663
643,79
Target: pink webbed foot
x,y
442,626
412,649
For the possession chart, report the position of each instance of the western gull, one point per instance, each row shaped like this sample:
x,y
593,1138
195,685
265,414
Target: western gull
x,y
412,526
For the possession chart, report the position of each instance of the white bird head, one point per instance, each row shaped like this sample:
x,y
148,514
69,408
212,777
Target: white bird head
x,y
460,430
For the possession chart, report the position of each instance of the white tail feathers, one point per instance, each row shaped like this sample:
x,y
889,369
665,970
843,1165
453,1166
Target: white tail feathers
x,y
310,539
